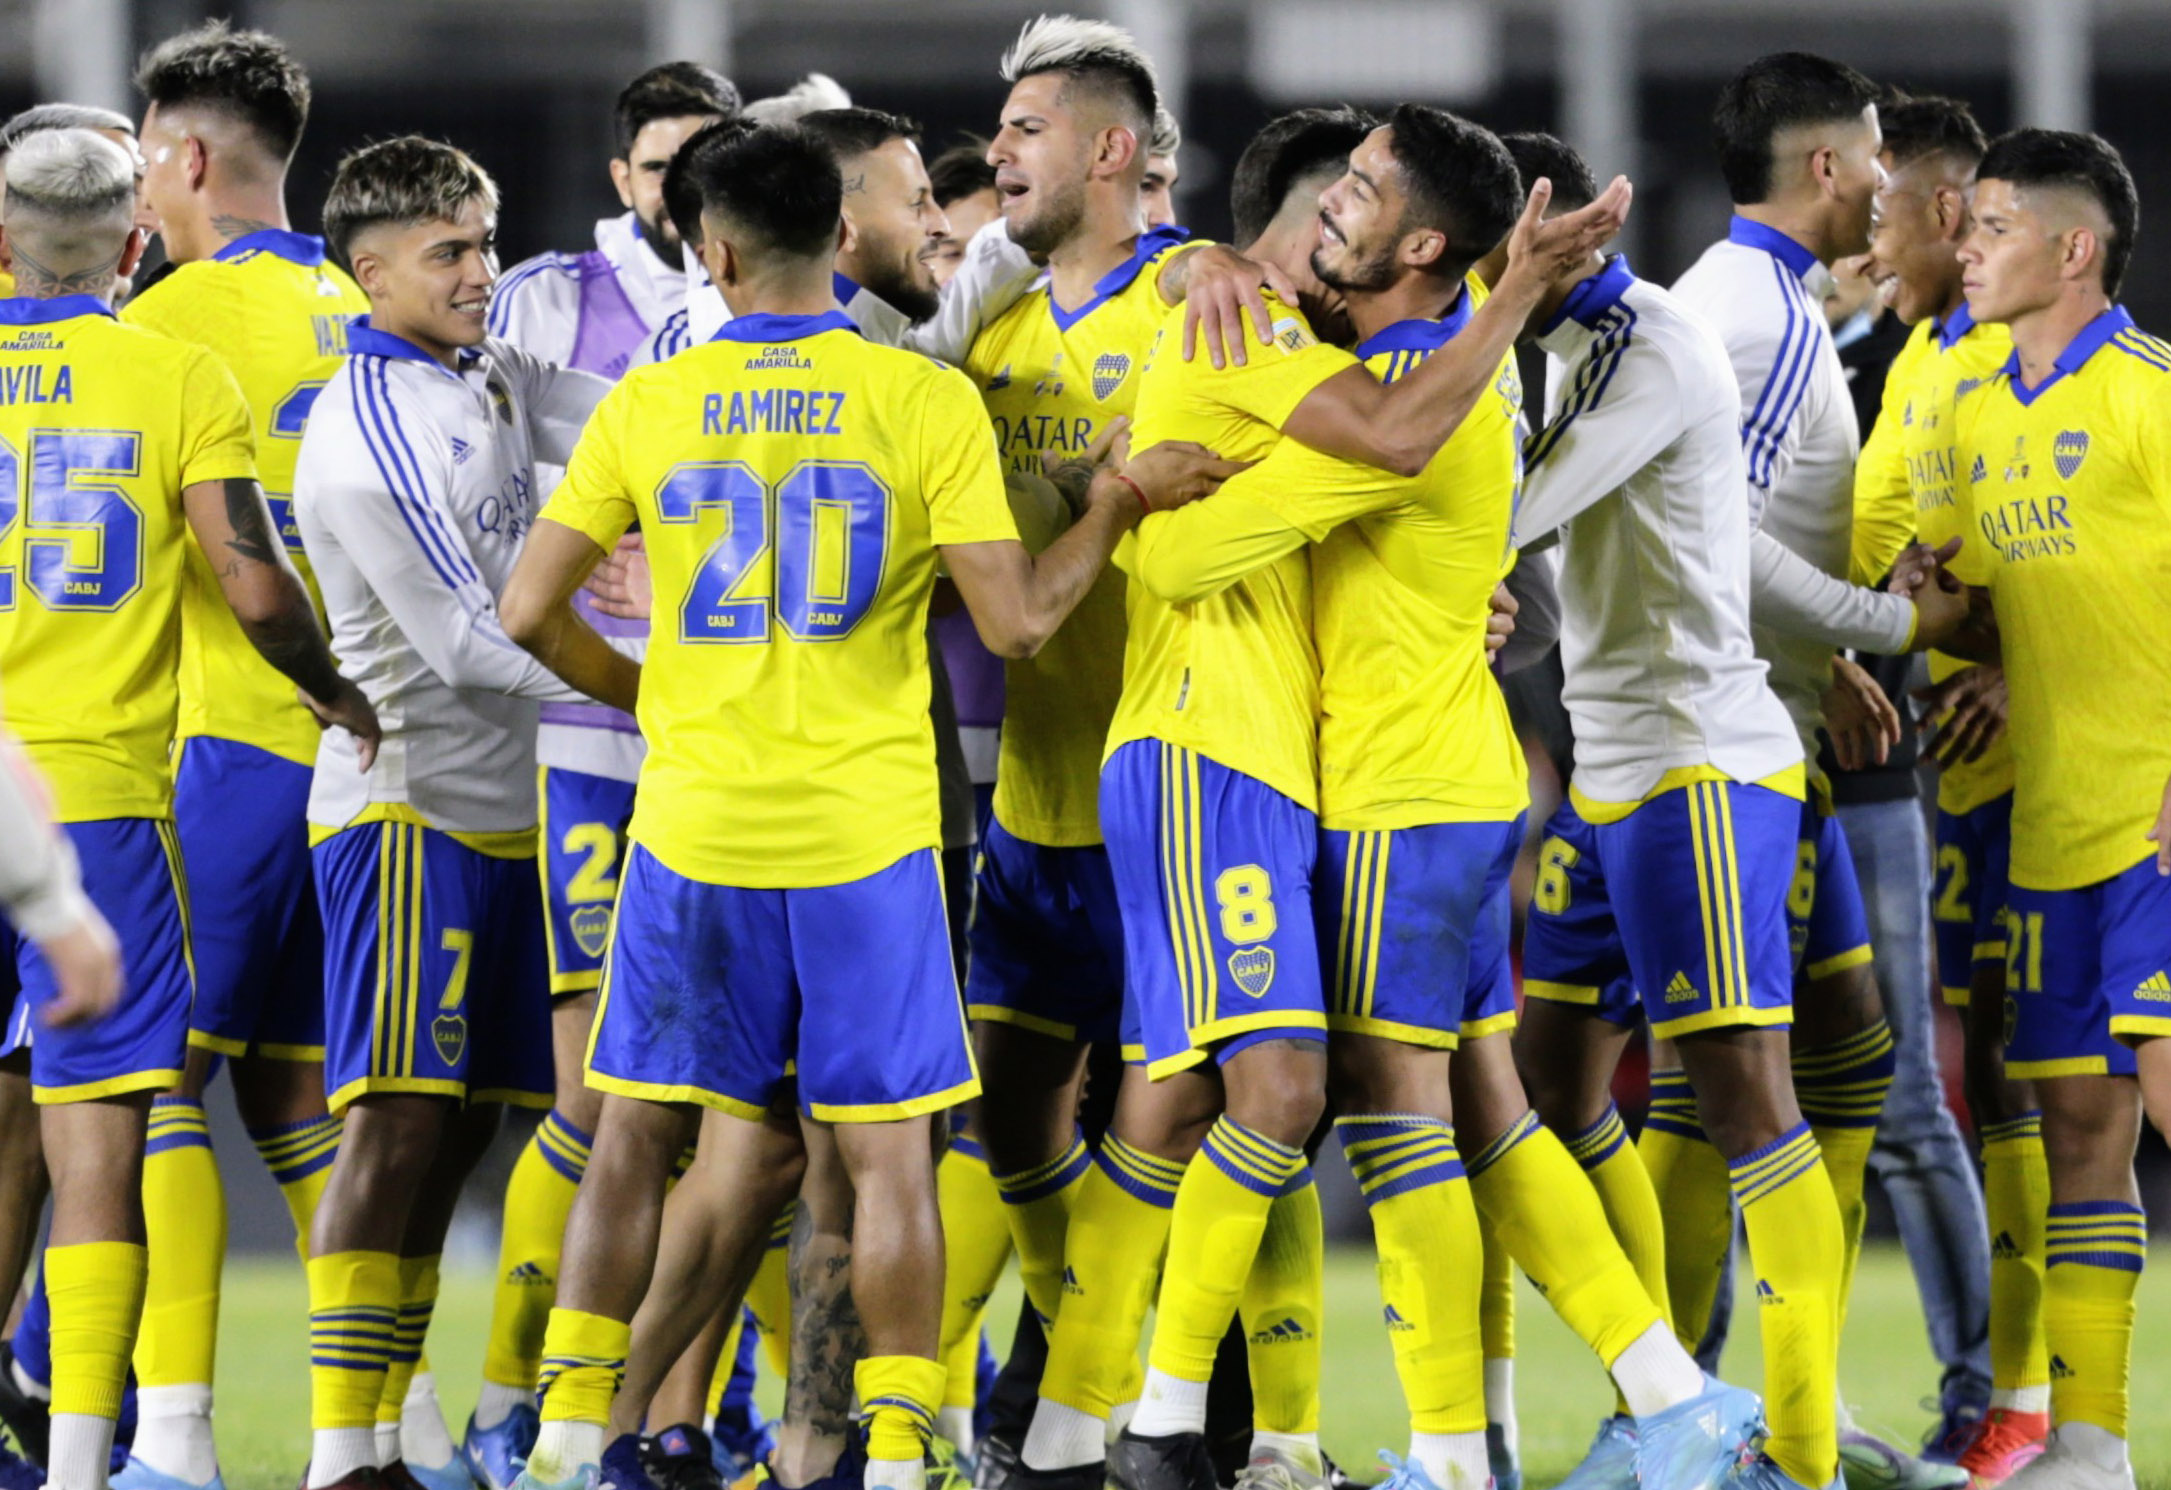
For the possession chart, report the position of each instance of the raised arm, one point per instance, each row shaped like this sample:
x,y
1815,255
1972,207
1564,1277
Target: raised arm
x,y
1606,427
558,401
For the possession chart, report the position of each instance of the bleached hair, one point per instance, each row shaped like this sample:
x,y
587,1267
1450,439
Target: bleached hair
x,y
1167,134
1082,48
810,95
70,177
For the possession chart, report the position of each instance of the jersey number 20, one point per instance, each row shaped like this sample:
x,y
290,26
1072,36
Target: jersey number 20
x,y
811,549
83,543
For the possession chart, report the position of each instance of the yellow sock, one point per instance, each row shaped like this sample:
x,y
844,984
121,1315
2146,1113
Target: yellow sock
x,y
96,1293
584,1362
1841,1088
1792,1220
2016,1193
1616,1172
418,1300
769,1296
353,1324
2094,1252
976,1242
184,1220
1282,1304
1119,1228
1549,1220
1496,1305
299,1156
1213,1236
1037,1203
1688,1181
899,1394
1431,1263
538,1197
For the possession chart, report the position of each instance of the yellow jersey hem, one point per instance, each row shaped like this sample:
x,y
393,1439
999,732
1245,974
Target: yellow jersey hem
x,y
517,843
1422,1036
2025,880
1387,817
1720,1019
1790,782
763,875
890,1112
211,731
111,1086
1043,834
1305,796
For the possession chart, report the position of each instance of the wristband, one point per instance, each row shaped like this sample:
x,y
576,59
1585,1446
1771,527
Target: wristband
x,y
1145,507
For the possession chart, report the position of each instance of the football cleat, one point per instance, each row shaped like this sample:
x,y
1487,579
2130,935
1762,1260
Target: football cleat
x,y
1761,1472
2003,1442
1694,1445
1176,1461
495,1454
1500,1458
680,1458
1406,1474
740,1440
994,1461
1867,1462
2062,1467
1610,1462
584,1478
23,1412
18,1473
451,1475
1269,1469
137,1475
1078,1477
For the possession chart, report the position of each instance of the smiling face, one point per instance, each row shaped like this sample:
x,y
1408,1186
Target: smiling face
x,y
1158,192
639,178
430,281
895,227
1917,219
967,215
1361,219
1855,173
2014,259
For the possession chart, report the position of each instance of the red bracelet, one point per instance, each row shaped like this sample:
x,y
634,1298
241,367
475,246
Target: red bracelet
x,y
1145,507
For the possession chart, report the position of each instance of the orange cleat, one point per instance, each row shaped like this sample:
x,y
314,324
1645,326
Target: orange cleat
x,y
2005,1441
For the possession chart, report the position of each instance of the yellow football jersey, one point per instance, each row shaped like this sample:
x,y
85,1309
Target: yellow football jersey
x,y
1051,379
1905,487
2066,492
793,482
275,311
1233,676
101,426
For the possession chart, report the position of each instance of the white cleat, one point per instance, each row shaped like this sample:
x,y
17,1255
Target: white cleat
x,y
2067,1463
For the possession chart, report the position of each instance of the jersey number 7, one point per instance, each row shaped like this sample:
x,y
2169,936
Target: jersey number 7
x,y
811,549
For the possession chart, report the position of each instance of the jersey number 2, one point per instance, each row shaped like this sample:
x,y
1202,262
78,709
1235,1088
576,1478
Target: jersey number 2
x,y
810,550
83,543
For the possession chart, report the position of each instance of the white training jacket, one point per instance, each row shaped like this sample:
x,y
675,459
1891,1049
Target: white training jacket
x,y
1640,468
415,491
41,888
1764,295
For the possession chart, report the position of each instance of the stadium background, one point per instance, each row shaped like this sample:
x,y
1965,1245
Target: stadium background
x,y
526,86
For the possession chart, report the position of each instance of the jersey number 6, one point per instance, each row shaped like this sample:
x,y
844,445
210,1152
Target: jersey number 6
x,y
811,549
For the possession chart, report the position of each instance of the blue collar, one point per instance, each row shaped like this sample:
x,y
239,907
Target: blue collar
x,y
295,248
1588,302
28,310
1949,331
365,340
1756,235
843,286
1150,243
2074,357
1417,335
768,328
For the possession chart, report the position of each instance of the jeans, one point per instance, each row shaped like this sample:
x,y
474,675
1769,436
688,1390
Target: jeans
x,y
1921,1160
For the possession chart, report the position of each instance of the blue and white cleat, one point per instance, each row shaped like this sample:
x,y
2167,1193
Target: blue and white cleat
x,y
1610,1462
1405,1474
740,1441
1696,1444
453,1474
137,1475
16,1472
1760,1472
624,1465
586,1477
495,1455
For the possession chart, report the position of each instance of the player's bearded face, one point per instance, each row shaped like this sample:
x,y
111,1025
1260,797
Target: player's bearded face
x,y
1042,157
430,282
896,227
1360,222
639,178
2011,257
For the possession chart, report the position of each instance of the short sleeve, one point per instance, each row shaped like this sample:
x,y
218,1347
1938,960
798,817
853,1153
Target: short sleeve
x,y
961,478
593,499
216,443
1278,374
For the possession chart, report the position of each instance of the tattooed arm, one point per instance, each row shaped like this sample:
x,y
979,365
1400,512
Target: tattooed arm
x,y
234,527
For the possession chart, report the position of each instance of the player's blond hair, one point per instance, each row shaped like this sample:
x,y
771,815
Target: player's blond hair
x,y
812,94
406,180
1167,134
71,197
1099,51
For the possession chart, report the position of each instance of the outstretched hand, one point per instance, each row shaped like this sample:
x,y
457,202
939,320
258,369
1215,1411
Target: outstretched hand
x,y
1221,290
1542,250
1861,721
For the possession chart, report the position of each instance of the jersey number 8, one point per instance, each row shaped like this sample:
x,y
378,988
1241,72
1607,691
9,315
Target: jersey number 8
x,y
810,549
69,517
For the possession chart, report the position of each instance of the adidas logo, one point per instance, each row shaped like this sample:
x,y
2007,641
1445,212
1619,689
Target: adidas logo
x,y
528,1273
2003,1248
1288,1332
2059,1370
1395,1321
1980,472
2156,989
1070,1281
1681,990
1000,380
461,450
1766,1294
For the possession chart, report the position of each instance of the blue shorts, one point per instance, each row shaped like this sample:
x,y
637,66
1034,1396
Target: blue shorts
x,y
1683,900
434,979
242,814
132,873
1213,872
2087,972
717,995
583,842
1414,924
1967,899
1045,951
1827,927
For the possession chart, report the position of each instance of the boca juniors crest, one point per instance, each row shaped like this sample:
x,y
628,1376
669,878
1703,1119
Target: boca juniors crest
x,y
448,1032
1109,371
2068,451
1253,969
592,928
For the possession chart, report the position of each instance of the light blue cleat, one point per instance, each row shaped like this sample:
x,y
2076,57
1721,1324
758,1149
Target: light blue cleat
x,y
587,1477
453,1474
1698,1443
1610,1462
1405,1474
1761,1473
1500,1459
495,1454
137,1475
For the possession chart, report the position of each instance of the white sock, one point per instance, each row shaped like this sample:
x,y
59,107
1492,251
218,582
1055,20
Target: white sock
x,y
1456,1461
497,1400
77,1457
335,1453
28,1385
425,1438
1063,1437
955,1424
173,1432
1299,1448
387,1437
1500,1401
1119,1418
2099,1446
2022,1399
896,1474
1655,1373
1169,1404
563,1449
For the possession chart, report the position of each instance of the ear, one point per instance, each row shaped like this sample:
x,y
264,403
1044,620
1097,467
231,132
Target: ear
x,y
198,165
1824,170
847,231
2083,249
7,254
1950,206
368,272
622,178
1422,249
1115,148
132,252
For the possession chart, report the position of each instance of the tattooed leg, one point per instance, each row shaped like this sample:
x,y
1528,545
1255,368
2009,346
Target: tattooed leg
x,y
827,1340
